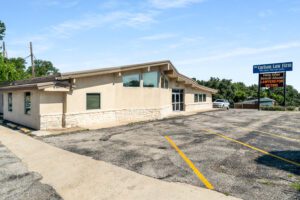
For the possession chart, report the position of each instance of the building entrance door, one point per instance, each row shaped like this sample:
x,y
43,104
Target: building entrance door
x,y
177,99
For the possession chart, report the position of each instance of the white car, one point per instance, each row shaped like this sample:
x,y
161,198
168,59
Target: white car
x,y
221,103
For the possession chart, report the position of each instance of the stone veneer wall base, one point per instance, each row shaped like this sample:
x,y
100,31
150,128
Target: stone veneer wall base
x,y
83,119
53,121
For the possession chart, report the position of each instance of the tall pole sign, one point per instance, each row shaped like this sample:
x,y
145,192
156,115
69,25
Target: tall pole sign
x,y
271,76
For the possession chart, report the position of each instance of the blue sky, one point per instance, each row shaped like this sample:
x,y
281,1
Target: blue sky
x,y
203,38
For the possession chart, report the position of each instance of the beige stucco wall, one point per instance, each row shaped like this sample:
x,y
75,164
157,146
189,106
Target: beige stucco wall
x,y
51,110
18,115
190,105
1,103
46,109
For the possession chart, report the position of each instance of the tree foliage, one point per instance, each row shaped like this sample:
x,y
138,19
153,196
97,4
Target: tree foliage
x,y
43,68
236,92
8,71
15,69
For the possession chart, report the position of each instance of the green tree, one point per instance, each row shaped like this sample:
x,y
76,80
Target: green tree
x,y
8,71
43,68
240,92
225,88
20,66
2,30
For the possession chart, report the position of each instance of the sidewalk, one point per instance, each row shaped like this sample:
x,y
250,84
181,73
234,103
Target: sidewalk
x,y
79,177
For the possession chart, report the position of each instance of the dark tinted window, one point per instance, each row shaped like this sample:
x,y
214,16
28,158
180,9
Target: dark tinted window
x,y
27,103
132,80
196,98
93,101
150,79
9,102
204,97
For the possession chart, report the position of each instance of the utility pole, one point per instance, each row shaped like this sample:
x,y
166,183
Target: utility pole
x,y
4,50
32,61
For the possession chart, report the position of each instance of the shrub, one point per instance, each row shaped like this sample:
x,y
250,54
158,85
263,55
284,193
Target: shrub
x,y
296,186
291,108
272,108
278,108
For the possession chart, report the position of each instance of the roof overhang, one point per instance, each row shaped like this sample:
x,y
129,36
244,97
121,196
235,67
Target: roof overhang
x,y
46,86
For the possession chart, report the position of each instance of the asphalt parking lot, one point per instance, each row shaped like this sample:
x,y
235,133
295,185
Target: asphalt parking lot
x,y
16,182
243,153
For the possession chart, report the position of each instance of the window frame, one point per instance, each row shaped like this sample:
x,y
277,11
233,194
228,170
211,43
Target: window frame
x,y
201,97
10,102
139,77
164,81
27,112
86,98
204,97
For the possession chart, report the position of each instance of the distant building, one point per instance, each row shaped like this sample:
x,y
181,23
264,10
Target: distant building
x,y
253,103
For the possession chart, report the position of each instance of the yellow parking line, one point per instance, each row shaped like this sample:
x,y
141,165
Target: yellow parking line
x,y
254,148
190,164
272,134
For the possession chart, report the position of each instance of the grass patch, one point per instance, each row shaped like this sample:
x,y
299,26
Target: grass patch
x,y
227,193
267,182
296,186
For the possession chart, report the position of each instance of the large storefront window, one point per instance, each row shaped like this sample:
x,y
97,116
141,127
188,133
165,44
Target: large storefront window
x,y
150,79
27,103
132,80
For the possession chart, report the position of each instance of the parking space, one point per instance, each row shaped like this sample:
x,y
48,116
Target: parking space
x,y
244,153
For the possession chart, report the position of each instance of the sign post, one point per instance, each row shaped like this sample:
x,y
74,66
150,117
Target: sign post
x,y
272,75
284,90
258,94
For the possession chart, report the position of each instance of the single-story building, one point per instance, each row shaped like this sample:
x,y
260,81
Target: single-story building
x,y
253,103
93,97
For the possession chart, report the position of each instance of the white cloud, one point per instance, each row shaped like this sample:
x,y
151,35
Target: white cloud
x,y
164,4
65,29
57,3
186,41
265,13
161,36
245,51
137,19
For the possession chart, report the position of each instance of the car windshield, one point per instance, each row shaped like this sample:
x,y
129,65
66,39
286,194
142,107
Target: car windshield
x,y
219,100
